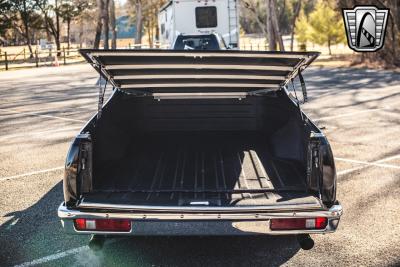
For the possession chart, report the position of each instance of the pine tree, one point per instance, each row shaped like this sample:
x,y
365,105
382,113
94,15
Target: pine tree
x,y
302,30
326,25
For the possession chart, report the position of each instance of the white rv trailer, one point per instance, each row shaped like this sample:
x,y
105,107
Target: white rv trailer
x,y
199,17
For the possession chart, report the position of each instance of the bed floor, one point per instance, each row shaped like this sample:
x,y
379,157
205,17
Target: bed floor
x,y
220,169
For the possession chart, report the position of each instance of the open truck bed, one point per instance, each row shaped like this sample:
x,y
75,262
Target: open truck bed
x,y
210,169
190,136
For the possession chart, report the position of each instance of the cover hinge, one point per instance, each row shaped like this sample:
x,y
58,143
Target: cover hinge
x,y
303,87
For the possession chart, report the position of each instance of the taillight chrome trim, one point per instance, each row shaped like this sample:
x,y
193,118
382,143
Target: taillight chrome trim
x,y
288,224
138,218
102,225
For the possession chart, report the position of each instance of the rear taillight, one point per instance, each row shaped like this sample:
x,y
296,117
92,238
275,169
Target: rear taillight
x,y
299,223
109,225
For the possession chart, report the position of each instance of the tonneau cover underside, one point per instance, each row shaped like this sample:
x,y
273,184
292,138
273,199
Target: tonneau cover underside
x,y
172,71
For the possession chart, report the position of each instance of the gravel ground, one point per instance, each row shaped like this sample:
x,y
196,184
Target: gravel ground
x,y
42,109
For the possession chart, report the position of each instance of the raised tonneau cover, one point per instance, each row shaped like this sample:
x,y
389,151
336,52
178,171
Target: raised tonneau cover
x,y
174,71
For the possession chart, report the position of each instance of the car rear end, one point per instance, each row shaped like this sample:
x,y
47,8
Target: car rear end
x,y
201,143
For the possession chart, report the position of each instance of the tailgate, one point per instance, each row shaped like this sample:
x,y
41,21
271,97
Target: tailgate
x,y
170,71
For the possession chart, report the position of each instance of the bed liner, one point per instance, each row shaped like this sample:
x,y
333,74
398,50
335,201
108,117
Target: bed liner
x,y
214,169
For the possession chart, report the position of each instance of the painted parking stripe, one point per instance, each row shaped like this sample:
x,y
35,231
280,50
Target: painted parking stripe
x,y
54,257
375,163
40,115
365,164
347,114
10,136
389,158
350,170
31,173
64,254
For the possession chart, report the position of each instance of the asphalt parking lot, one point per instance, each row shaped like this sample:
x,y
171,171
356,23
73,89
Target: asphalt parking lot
x,y
42,109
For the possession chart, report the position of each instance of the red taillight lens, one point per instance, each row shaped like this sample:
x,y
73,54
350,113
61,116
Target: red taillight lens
x,y
110,225
113,225
80,224
298,223
321,222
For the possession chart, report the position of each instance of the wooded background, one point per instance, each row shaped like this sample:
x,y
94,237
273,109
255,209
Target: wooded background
x,y
98,23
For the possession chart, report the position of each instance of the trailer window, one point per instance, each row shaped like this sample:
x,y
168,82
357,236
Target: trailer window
x,y
162,28
206,17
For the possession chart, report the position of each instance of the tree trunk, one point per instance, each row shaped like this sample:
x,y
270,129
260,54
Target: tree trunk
x,y
296,13
53,29
113,25
275,25
58,45
158,37
139,22
270,29
149,35
28,40
57,35
329,46
25,18
81,33
99,25
106,23
68,34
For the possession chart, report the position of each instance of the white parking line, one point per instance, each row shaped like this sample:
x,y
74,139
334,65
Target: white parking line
x,y
346,114
40,115
10,136
389,158
375,163
54,257
30,173
365,164
350,170
63,254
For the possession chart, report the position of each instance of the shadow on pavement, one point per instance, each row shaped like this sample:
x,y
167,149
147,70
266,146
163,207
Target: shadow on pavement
x,y
197,251
36,232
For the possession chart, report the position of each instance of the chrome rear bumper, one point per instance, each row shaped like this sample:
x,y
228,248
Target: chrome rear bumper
x,y
200,223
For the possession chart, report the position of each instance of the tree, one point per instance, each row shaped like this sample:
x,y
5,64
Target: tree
x,y
150,12
256,14
99,24
326,25
51,15
274,35
20,16
70,10
264,14
106,23
145,17
104,8
139,21
85,22
296,12
113,25
302,30
5,22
